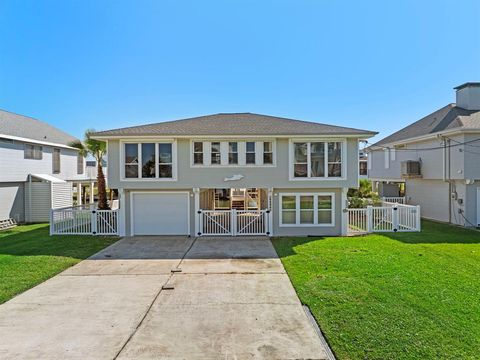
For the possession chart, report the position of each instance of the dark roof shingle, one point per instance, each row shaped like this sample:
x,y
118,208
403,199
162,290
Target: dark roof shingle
x,y
234,124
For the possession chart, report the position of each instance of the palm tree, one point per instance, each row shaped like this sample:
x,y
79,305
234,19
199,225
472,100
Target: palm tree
x,y
97,149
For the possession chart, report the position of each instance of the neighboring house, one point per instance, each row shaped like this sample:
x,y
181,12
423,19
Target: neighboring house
x,y
211,173
437,160
37,168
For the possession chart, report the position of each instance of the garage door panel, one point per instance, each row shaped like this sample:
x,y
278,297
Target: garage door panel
x,y
160,213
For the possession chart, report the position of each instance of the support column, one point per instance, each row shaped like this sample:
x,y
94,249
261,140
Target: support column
x,y
196,194
121,213
79,193
344,212
92,192
270,211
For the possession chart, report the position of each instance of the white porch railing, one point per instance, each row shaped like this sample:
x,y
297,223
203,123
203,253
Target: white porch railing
x,y
390,218
233,222
394,199
80,221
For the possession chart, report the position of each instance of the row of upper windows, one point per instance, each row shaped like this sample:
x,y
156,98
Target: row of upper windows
x,y
35,152
227,153
319,159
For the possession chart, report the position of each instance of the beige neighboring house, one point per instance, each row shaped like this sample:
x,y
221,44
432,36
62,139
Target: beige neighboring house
x,y
233,174
38,169
437,160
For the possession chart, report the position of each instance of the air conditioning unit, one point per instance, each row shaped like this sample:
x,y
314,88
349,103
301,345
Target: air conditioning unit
x,y
411,169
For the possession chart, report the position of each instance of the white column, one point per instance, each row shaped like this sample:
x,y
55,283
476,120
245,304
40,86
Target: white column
x,y
270,214
344,213
121,213
79,193
196,193
92,186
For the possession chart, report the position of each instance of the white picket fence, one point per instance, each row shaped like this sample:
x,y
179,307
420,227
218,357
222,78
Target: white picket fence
x,y
394,199
81,220
390,218
233,222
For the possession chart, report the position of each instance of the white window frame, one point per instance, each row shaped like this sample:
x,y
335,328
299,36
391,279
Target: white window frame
x,y
241,151
297,209
59,152
139,144
267,152
198,152
291,160
250,152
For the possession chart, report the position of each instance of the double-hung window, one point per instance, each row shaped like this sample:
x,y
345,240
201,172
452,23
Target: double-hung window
x,y
215,153
33,152
310,209
317,159
56,161
198,153
250,153
148,160
267,153
232,153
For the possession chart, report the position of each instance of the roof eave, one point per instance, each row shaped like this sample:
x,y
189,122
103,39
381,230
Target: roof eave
x,y
134,136
33,141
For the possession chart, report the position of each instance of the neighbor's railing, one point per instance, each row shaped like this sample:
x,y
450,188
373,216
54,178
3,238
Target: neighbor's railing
x,y
394,199
390,218
83,220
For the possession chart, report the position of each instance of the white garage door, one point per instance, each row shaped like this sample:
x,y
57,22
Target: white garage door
x,y
160,213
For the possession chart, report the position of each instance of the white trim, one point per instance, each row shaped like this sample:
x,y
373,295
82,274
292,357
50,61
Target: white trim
x,y
132,227
297,209
291,158
156,178
241,149
33,141
153,137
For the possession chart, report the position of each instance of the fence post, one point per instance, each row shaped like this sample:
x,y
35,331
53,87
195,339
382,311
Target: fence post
x,y
419,222
200,222
93,222
369,219
51,222
395,217
233,222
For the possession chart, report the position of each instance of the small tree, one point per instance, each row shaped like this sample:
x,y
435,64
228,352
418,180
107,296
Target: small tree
x,y
98,150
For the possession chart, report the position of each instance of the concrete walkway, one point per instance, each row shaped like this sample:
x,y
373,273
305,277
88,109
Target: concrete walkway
x,y
231,300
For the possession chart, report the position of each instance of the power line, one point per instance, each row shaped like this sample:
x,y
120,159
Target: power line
x,y
430,148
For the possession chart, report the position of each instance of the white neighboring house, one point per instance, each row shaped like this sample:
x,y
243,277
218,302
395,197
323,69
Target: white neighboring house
x,y
362,165
37,169
436,160
233,174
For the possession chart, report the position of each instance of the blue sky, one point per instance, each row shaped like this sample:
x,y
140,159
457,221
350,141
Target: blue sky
x,y
378,65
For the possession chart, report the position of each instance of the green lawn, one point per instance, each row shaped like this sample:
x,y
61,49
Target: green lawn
x,y
392,296
28,256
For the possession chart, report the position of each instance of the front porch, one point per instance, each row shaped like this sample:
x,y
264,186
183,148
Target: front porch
x,y
234,211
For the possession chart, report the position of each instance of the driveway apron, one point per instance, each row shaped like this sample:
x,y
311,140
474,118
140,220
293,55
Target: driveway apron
x,y
226,298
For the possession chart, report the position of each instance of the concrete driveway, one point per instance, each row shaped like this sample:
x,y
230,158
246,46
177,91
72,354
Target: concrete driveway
x,y
231,300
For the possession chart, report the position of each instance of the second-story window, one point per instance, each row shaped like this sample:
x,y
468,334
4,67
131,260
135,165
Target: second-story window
x,y
317,159
56,161
232,153
33,152
198,152
215,153
80,167
165,160
131,160
250,153
363,167
267,152
148,160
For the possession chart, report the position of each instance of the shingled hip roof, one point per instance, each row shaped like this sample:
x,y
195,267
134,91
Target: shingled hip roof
x,y
233,124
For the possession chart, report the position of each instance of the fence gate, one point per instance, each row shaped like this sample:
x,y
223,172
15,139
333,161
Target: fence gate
x,y
233,222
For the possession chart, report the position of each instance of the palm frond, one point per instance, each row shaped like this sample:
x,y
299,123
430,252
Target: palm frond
x,y
77,144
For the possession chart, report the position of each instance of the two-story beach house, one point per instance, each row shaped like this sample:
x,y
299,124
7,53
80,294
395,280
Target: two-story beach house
x,y
37,169
436,160
233,174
